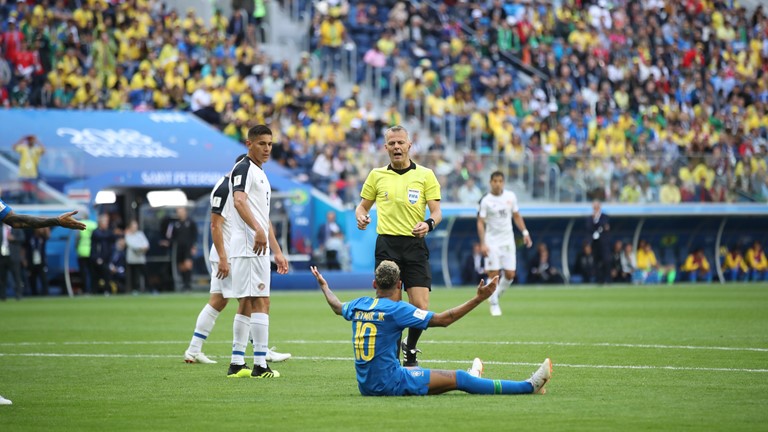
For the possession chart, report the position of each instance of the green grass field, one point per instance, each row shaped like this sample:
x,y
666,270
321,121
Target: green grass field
x,y
626,358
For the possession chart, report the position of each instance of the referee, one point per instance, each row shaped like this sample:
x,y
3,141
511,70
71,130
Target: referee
x,y
402,191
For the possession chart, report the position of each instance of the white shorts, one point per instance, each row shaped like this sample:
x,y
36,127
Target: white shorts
x,y
250,276
221,286
501,257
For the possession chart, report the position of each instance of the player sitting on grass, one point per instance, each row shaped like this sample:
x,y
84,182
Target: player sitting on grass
x,y
377,324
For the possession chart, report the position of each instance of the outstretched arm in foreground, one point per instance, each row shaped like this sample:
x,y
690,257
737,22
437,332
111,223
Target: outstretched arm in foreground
x,y
330,297
65,220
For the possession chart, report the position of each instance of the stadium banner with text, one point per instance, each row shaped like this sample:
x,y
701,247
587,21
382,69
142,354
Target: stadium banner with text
x,y
96,150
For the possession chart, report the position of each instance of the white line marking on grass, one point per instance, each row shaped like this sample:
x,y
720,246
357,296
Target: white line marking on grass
x,y
598,344
463,342
349,359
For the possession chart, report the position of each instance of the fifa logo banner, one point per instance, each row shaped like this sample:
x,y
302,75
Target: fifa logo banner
x,y
90,151
122,143
88,144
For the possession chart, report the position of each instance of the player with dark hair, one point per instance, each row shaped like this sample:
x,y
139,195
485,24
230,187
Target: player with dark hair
x,y
221,280
377,323
402,192
251,241
495,213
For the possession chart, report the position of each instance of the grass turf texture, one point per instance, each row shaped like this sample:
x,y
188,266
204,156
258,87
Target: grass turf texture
x,y
626,358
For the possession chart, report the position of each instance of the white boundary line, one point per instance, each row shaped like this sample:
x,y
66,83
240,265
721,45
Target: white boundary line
x,y
349,359
464,342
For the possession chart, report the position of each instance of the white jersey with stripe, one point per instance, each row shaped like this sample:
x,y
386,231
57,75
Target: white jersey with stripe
x,y
220,205
497,211
248,177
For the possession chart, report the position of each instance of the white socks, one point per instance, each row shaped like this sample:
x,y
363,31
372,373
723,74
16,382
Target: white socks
x,y
503,284
205,322
260,334
500,288
241,327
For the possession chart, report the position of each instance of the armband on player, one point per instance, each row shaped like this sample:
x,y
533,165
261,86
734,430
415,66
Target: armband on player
x,y
431,223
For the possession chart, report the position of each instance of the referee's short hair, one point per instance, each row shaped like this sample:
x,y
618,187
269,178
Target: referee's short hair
x,y
387,275
497,174
259,130
397,128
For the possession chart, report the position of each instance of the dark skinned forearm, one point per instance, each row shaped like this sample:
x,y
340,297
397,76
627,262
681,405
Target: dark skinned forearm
x,y
331,298
444,319
25,221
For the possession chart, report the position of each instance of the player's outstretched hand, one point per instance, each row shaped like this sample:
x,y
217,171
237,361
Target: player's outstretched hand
x,y
318,276
484,290
68,221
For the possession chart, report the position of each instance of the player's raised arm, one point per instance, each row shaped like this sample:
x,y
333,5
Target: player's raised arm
x,y
330,297
444,319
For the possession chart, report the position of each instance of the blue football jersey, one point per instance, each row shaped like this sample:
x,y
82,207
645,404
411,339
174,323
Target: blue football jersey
x,y
4,209
377,326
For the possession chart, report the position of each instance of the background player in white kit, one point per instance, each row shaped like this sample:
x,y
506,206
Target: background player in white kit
x,y
221,281
497,241
249,253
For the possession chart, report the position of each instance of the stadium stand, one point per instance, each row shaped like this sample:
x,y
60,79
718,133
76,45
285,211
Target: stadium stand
x,y
628,101
620,99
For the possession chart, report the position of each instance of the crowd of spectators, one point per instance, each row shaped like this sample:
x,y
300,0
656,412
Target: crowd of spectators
x,y
634,101
142,55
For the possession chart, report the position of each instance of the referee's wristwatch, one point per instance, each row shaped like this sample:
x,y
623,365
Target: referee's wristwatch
x,y
431,223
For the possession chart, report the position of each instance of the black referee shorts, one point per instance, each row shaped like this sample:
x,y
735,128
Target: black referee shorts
x,y
410,254
183,253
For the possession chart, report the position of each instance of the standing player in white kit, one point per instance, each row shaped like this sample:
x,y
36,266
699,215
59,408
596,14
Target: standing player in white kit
x,y
252,238
221,280
497,241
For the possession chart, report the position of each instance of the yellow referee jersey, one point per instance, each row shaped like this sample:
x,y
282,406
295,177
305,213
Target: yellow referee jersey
x,y
401,199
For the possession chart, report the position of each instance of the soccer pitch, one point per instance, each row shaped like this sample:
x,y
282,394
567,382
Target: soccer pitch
x,y
686,357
